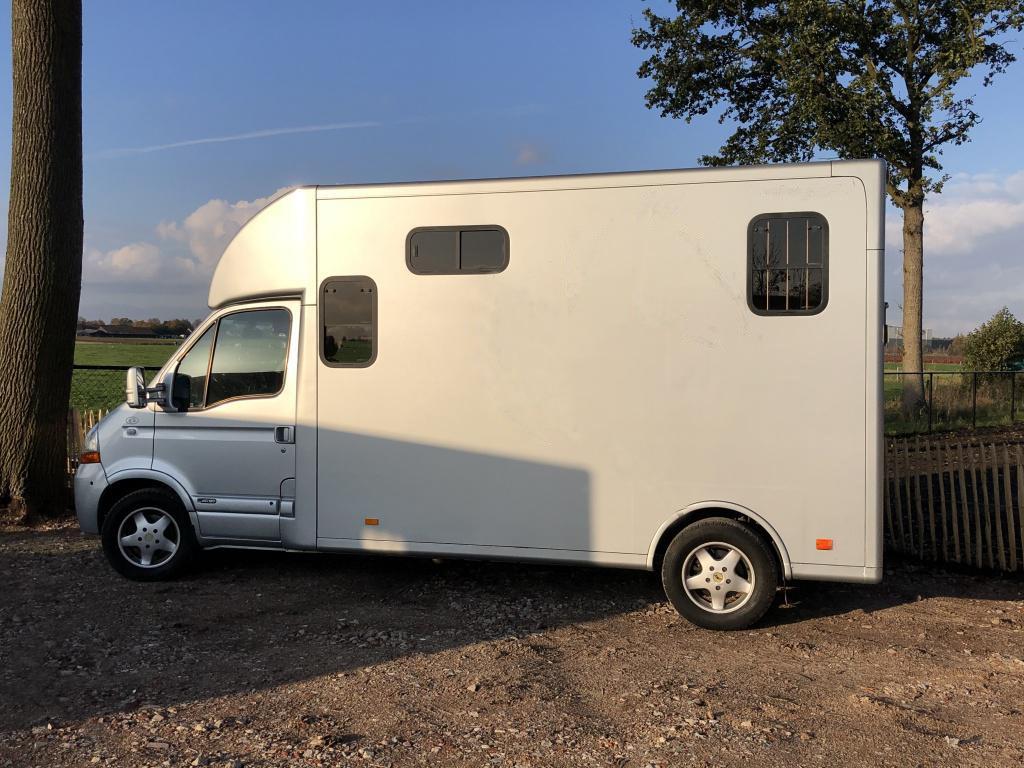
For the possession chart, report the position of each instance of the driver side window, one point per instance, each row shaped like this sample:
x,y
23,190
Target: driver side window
x,y
242,355
195,364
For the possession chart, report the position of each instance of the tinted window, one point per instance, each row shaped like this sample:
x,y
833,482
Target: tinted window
x,y
249,355
787,264
470,250
349,315
434,252
194,365
482,250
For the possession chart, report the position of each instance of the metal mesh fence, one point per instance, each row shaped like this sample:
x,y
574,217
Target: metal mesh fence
x,y
97,387
955,400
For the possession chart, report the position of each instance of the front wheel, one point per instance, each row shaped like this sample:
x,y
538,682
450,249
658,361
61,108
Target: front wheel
x,y
719,574
147,535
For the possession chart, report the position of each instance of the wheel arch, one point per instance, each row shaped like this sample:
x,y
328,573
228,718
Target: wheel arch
x,y
122,483
707,509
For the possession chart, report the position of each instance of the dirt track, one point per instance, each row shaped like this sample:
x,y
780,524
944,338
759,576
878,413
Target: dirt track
x,y
270,659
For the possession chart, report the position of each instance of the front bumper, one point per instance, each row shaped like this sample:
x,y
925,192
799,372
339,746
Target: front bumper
x,y
90,482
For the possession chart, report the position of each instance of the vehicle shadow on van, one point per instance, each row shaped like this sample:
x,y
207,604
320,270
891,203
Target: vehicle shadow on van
x,y
420,492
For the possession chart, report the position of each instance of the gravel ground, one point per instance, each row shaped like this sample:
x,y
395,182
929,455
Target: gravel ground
x,y
268,659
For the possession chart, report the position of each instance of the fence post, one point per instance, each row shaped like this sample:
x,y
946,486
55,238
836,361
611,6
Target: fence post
x,y
974,400
1011,533
75,438
931,397
1013,397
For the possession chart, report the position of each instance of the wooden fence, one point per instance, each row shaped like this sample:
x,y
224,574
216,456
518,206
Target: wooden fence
x,y
956,499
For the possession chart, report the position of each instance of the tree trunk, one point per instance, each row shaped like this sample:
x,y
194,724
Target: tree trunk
x,y
43,272
913,270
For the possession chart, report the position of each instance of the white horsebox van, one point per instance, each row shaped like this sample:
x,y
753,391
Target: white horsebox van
x,y
673,370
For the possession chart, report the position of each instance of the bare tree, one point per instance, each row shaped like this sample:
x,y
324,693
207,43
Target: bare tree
x,y
43,273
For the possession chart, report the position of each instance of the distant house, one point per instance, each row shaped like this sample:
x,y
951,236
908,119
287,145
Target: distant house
x,y
117,332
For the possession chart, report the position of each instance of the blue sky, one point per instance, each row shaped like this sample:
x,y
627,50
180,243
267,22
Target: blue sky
x,y
430,90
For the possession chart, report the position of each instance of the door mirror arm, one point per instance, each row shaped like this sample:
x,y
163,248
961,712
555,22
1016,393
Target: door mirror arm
x,y
157,395
138,395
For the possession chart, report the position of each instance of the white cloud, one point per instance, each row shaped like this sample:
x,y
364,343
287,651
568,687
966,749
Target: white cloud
x,y
208,229
139,261
973,242
972,208
183,251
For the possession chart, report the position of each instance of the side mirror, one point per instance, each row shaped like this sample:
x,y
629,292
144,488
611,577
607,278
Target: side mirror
x,y
181,391
135,387
173,393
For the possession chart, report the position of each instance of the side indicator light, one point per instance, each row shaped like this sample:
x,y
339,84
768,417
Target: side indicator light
x,y
371,521
823,543
89,457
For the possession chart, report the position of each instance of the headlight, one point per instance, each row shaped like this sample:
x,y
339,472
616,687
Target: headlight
x,y
90,453
92,439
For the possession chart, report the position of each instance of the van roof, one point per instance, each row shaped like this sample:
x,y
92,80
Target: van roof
x,y
816,169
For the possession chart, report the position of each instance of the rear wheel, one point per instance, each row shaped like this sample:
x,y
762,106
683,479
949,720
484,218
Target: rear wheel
x,y
147,535
720,574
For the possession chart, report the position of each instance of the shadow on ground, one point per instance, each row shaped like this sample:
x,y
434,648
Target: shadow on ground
x,y
78,641
905,581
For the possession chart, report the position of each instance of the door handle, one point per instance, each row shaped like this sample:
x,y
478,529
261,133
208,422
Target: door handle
x,y
284,434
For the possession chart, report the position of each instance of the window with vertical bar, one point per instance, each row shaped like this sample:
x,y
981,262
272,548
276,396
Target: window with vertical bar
x,y
787,264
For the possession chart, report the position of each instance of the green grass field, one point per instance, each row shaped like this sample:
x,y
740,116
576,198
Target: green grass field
x,y
92,390
944,367
891,384
123,354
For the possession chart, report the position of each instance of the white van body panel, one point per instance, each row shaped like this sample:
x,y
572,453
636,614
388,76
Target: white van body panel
x,y
609,377
126,438
277,244
610,382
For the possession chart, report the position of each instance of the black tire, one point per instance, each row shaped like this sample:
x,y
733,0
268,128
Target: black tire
x,y
709,606
154,504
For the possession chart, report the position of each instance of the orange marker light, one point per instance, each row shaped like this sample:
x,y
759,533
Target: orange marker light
x,y
371,521
823,543
89,457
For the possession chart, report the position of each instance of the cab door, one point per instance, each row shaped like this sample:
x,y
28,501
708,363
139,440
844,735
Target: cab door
x,y
230,438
